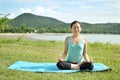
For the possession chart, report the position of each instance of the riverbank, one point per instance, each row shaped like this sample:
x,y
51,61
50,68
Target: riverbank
x,y
12,50
14,35
103,38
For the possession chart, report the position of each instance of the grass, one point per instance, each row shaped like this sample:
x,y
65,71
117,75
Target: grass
x,y
12,50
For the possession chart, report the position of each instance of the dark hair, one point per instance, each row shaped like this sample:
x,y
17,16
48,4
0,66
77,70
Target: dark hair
x,y
74,23
86,66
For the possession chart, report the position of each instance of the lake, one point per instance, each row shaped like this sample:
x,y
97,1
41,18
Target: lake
x,y
104,38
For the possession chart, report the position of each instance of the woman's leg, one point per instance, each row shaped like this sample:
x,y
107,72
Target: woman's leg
x,y
67,65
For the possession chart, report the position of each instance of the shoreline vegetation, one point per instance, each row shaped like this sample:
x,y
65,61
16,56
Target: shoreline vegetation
x,y
18,48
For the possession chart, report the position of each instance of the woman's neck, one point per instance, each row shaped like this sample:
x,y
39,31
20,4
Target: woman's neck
x,y
76,35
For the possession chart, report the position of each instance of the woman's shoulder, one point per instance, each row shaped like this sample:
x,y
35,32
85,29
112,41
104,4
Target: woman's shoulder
x,y
85,39
67,37
66,40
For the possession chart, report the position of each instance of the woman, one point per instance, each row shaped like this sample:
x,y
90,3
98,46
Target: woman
x,y
76,48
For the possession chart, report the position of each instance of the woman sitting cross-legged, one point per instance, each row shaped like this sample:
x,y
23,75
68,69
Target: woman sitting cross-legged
x,y
75,48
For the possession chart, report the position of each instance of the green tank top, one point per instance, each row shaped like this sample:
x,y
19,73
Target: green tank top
x,y
75,51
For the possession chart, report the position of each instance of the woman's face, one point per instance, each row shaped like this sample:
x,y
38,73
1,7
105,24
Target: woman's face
x,y
76,28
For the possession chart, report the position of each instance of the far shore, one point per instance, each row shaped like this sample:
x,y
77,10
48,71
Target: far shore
x,y
14,35
17,35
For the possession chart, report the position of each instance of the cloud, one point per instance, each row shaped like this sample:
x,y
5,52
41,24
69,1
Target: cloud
x,y
47,11
85,7
40,9
20,1
114,5
12,15
98,0
25,10
19,11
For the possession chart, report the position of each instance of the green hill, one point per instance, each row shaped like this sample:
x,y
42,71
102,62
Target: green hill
x,y
32,20
113,28
48,24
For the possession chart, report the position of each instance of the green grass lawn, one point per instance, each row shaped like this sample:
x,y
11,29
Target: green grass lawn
x,y
12,50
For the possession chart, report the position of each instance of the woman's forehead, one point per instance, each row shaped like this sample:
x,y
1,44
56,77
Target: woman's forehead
x,y
76,25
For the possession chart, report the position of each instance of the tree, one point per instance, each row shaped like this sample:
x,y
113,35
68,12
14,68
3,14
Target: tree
x,y
3,22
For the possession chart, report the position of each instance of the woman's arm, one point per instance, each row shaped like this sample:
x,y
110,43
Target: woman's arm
x,y
65,50
85,55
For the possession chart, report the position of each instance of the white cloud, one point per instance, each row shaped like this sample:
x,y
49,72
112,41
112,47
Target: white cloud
x,y
73,3
20,1
25,10
49,10
98,0
115,5
85,7
19,11
12,15
40,9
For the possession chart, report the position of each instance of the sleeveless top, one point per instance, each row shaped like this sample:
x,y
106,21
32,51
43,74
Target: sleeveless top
x,y
75,51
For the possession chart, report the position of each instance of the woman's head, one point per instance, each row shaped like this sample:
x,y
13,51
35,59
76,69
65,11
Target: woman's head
x,y
76,27
74,22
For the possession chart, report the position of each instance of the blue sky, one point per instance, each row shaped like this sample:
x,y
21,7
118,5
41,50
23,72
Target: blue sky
x,y
91,11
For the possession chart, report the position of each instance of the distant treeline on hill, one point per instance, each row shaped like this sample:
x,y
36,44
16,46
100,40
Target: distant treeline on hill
x,y
28,22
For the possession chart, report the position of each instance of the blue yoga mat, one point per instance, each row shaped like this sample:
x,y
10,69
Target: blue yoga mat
x,y
49,67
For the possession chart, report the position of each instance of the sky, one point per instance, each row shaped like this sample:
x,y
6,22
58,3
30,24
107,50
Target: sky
x,y
90,11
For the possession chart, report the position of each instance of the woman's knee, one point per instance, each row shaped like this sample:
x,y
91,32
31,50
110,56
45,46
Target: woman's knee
x,y
63,65
59,65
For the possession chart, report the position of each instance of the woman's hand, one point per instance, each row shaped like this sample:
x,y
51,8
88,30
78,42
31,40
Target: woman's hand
x,y
91,60
60,59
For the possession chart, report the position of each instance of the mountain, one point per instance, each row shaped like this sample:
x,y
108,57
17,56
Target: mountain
x,y
32,20
53,25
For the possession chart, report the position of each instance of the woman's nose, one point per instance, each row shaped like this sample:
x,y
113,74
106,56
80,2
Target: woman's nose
x,y
76,29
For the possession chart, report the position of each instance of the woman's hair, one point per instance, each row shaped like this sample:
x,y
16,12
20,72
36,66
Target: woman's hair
x,y
74,23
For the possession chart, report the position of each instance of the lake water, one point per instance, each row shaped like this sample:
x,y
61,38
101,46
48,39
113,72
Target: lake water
x,y
104,38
